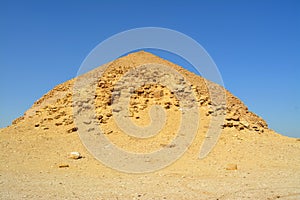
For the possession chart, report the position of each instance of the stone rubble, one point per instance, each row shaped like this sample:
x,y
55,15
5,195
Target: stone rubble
x,y
106,91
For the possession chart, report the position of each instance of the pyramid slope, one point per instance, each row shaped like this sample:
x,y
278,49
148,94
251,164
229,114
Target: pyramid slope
x,y
234,108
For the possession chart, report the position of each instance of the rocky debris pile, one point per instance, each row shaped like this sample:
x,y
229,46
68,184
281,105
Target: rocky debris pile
x,y
137,89
235,112
53,110
238,116
172,89
56,114
150,95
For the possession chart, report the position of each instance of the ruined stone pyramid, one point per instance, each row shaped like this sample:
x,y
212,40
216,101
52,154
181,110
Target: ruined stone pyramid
x,y
54,108
247,159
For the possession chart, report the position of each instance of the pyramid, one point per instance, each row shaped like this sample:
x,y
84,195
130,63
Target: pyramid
x,y
60,97
245,159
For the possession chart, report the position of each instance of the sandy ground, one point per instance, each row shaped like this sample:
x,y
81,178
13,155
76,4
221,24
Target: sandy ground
x,y
268,168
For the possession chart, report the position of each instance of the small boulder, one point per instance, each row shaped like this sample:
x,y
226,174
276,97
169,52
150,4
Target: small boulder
x,y
87,122
72,130
231,167
210,111
58,123
75,155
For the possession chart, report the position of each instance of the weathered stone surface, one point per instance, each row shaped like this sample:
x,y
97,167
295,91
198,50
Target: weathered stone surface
x,y
158,93
244,124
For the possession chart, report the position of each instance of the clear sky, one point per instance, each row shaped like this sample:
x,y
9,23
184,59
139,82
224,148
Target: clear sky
x,y
255,44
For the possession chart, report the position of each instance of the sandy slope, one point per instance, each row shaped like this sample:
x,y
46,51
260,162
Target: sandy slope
x,y
33,148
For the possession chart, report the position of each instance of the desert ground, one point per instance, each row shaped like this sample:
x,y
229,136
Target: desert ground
x,y
249,160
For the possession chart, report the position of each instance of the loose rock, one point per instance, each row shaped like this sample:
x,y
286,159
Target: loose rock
x,y
72,130
75,155
231,167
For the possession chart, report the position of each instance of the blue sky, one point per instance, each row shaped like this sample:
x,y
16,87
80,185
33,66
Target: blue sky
x,y
255,44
